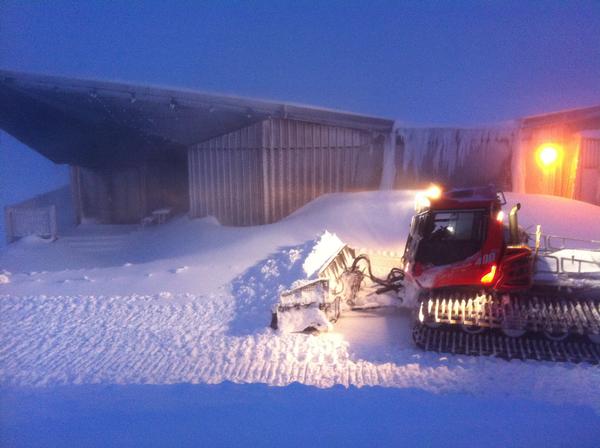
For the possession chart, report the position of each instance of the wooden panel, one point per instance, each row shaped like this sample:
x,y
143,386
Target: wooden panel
x,y
126,194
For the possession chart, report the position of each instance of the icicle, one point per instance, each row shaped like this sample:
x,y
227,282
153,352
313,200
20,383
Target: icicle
x,y
448,149
388,175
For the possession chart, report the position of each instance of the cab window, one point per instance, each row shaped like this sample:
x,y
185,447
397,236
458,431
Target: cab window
x,y
451,236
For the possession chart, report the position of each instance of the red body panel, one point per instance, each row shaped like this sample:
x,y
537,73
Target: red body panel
x,y
511,266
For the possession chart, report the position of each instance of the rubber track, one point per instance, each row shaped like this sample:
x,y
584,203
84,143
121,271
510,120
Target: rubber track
x,y
529,313
445,339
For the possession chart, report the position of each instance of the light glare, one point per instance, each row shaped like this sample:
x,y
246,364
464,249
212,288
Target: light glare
x,y
434,192
548,155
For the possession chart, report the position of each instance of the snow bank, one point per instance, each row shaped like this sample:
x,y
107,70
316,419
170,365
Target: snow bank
x,y
209,323
34,239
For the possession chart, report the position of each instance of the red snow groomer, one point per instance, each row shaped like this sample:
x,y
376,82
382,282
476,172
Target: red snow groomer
x,y
484,288
492,289
458,239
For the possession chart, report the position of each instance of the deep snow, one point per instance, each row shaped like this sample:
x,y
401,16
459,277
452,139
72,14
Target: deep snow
x,y
189,302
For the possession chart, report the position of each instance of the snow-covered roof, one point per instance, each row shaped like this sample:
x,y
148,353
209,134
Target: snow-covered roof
x,y
86,122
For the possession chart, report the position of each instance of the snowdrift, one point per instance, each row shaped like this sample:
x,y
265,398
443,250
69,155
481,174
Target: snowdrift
x,y
190,301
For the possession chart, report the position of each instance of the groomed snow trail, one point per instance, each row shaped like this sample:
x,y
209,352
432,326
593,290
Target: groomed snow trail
x,y
107,321
184,339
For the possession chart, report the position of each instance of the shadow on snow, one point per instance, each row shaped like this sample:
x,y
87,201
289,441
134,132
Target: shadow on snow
x,y
257,290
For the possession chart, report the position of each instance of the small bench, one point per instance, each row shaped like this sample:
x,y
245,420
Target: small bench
x,y
159,216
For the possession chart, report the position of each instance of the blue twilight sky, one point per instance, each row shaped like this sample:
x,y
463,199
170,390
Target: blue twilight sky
x,y
419,61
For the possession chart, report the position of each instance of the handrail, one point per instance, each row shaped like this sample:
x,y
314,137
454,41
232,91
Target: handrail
x,y
547,242
550,238
560,265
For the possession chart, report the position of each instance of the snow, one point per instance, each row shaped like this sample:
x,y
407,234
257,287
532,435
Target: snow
x,y
577,260
327,246
300,319
190,302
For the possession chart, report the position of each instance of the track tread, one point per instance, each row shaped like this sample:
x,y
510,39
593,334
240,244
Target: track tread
x,y
527,313
454,341
447,312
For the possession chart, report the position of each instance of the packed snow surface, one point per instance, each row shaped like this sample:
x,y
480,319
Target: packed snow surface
x,y
190,302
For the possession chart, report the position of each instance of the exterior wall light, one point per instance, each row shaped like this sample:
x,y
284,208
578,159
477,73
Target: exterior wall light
x,y
548,154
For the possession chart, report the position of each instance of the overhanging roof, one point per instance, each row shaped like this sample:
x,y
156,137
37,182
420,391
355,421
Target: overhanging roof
x,y
581,118
88,122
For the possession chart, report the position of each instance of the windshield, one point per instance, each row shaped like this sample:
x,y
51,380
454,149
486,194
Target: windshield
x,y
451,236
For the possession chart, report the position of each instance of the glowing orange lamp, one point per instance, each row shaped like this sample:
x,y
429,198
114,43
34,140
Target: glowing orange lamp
x,y
434,192
548,154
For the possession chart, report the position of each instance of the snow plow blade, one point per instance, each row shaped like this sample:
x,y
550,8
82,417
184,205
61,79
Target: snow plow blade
x,y
335,279
312,305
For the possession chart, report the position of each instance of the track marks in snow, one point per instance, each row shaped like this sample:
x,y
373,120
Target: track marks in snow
x,y
187,338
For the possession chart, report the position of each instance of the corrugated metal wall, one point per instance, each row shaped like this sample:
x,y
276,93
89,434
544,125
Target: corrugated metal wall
x,y
558,179
588,173
305,160
124,195
111,196
590,153
47,214
225,177
264,172
94,196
